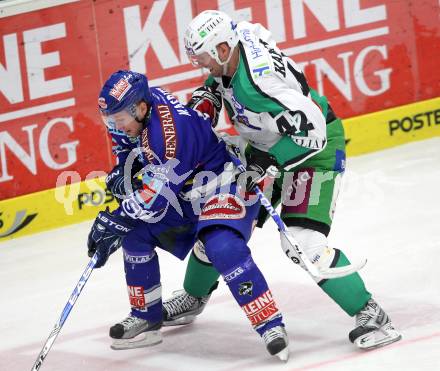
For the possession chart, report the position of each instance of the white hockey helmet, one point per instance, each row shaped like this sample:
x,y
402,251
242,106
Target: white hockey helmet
x,y
206,31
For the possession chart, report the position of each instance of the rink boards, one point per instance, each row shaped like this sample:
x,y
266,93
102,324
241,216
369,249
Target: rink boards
x,y
388,128
372,61
81,201
53,64
53,208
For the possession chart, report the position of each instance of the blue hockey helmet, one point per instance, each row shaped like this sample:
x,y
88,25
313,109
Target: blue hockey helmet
x,y
121,93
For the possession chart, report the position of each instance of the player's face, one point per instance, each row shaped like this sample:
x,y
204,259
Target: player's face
x,y
204,60
126,120
132,129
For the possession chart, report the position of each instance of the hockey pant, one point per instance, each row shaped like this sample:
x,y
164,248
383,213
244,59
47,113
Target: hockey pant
x,y
229,254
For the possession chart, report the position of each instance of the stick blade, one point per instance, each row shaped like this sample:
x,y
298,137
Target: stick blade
x,y
338,272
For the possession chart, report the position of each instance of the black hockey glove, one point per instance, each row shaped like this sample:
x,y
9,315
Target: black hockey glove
x,y
115,182
106,235
206,100
259,166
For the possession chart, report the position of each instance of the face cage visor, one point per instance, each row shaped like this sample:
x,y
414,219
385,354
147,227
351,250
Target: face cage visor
x,y
118,120
203,60
200,60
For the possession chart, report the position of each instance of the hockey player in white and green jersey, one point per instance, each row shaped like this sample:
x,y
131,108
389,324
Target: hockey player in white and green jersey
x,y
288,125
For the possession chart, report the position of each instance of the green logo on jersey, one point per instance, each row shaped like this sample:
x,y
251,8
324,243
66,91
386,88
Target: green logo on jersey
x,y
260,70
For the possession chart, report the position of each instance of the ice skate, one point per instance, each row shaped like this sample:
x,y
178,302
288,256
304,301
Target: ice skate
x,y
182,308
134,332
373,328
277,342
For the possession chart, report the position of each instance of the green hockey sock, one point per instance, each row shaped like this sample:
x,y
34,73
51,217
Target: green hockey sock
x,y
348,292
200,277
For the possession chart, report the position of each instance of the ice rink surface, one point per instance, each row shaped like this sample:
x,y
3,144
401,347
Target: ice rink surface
x,y
388,211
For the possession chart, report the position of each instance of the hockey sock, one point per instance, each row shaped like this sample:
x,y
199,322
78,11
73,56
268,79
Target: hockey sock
x,y
200,277
348,292
231,256
250,290
143,284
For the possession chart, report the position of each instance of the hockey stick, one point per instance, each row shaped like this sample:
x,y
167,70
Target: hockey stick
x,y
68,307
296,254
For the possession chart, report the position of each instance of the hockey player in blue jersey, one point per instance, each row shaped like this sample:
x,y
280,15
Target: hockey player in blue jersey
x,y
188,191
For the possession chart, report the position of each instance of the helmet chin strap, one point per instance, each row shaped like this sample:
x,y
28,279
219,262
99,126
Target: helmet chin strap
x,y
225,63
225,68
145,119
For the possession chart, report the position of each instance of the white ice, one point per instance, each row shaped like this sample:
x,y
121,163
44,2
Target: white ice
x,y
388,211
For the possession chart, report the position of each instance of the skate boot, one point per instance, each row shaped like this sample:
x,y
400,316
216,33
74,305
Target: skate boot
x,y
182,308
373,328
276,341
134,332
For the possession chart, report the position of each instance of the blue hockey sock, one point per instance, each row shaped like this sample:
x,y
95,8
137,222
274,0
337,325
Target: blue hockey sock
x,y
143,284
228,252
251,291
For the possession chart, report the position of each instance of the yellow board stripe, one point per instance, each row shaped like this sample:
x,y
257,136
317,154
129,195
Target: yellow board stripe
x,y
392,127
53,208
78,202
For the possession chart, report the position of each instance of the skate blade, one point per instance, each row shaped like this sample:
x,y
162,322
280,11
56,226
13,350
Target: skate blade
x,y
146,339
377,339
185,320
283,355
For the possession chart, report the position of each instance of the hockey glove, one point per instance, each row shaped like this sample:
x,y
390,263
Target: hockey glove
x,y
106,235
115,183
207,101
259,167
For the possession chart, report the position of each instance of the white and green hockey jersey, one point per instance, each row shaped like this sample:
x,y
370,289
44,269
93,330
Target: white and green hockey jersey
x,y
269,102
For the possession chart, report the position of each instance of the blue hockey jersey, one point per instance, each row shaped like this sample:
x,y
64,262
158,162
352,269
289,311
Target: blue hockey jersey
x,y
176,144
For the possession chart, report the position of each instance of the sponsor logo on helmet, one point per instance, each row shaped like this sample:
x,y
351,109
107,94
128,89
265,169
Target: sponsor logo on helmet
x,y
102,103
120,89
223,207
209,25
